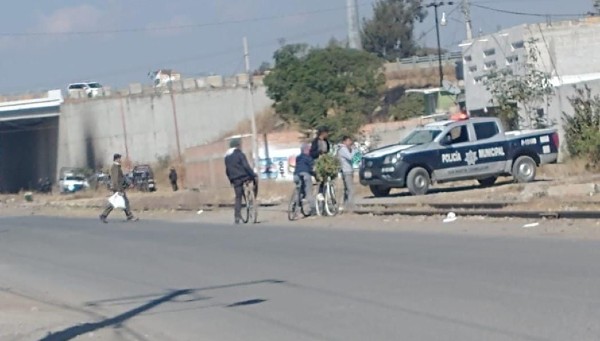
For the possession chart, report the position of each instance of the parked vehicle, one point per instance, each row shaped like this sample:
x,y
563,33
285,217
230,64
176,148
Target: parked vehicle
x,y
91,89
101,179
44,186
476,148
142,178
73,182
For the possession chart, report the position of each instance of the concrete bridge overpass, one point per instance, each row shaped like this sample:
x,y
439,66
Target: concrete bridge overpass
x,y
28,141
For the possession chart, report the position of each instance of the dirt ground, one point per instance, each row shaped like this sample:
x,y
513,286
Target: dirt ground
x,y
558,187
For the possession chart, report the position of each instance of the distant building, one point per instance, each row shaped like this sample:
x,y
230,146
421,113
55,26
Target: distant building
x,y
567,52
163,77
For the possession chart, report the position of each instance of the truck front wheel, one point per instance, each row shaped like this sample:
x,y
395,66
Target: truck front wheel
x,y
380,191
524,169
418,181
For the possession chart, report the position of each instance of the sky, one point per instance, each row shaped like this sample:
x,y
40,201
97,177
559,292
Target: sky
x,y
49,44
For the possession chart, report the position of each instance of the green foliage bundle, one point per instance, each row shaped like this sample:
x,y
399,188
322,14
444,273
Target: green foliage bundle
x,y
326,166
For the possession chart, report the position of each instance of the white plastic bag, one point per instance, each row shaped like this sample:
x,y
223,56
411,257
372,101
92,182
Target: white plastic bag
x,y
117,201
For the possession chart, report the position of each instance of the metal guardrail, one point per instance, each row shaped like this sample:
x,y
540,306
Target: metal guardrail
x,y
452,56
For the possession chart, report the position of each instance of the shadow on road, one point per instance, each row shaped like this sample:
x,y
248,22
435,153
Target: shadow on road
x,y
172,296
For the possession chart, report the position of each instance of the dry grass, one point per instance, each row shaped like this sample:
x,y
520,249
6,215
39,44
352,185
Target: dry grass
x,y
419,77
267,121
568,168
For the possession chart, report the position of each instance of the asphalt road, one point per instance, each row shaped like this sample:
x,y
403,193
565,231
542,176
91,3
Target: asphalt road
x,y
176,281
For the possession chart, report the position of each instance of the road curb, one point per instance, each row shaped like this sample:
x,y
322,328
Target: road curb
x,y
444,206
490,213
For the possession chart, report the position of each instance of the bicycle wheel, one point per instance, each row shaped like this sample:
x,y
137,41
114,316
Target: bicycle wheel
x,y
245,210
293,206
331,204
304,206
319,204
252,207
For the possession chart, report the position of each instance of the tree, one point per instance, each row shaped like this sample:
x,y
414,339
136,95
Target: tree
x,y
410,105
390,33
582,129
597,6
522,85
333,86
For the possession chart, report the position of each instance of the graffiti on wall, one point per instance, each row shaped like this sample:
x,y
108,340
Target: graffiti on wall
x,y
280,164
282,161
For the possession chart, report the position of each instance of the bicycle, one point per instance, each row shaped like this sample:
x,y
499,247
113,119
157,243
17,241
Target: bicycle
x,y
298,202
249,205
327,201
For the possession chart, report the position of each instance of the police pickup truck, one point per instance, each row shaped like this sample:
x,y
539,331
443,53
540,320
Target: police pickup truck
x,y
476,148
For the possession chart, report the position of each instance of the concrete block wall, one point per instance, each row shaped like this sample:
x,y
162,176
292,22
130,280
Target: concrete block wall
x,y
142,126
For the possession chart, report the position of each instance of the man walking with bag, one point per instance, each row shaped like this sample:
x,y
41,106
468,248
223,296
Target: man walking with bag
x,y
118,185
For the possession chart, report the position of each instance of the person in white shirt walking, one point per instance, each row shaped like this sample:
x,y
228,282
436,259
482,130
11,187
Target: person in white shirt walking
x,y
346,154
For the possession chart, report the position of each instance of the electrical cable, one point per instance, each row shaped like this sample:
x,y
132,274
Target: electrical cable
x,y
525,13
174,27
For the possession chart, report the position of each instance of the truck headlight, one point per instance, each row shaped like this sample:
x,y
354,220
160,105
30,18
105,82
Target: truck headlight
x,y
392,159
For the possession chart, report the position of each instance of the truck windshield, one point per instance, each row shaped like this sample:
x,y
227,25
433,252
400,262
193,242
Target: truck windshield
x,y
421,136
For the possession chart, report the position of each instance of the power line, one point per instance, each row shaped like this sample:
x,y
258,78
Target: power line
x,y
543,15
174,27
424,34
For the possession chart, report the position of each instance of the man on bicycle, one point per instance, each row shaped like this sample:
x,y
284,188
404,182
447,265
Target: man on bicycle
x,y
238,172
303,173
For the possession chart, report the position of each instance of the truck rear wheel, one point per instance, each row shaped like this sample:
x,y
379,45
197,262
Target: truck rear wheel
x,y
380,191
418,181
487,182
524,169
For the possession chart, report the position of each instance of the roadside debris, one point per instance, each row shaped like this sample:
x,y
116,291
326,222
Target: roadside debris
x,y
451,217
527,226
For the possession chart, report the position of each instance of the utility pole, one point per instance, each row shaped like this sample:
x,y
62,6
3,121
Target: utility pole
x,y
252,115
466,8
353,29
435,5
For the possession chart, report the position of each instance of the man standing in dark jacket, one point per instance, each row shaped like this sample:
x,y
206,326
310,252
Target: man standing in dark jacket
x,y
304,172
320,145
118,185
238,172
173,179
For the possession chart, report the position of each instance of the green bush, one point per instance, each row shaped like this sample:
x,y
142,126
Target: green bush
x,y
582,130
410,105
327,166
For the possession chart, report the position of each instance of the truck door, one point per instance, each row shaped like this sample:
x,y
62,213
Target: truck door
x,y
451,159
490,147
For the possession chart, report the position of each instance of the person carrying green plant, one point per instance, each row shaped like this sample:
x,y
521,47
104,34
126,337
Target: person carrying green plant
x,y
320,146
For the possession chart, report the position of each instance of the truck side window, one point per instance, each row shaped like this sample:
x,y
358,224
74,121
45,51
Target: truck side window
x,y
459,134
485,130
